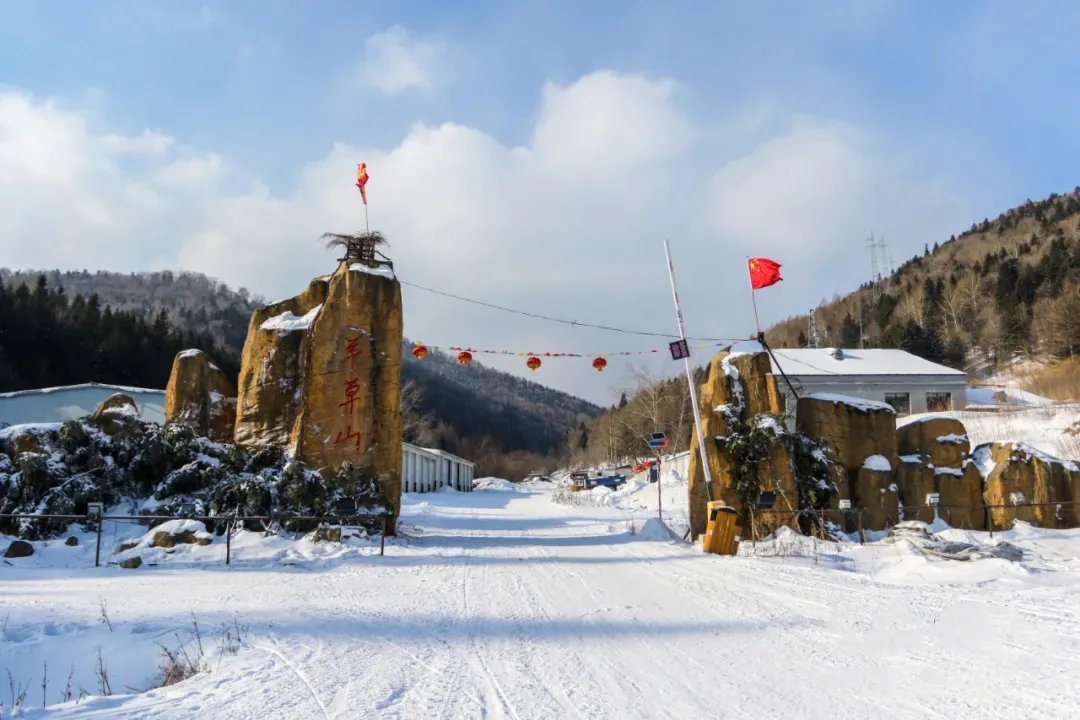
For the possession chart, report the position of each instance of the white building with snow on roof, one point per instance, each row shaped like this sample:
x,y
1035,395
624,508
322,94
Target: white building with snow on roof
x,y
907,382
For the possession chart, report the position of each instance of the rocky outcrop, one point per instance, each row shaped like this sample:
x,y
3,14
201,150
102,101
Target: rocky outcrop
x,y
915,479
719,404
861,437
131,563
854,429
272,368
320,376
19,549
201,396
1040,479
19,439
875,492
961,494
116,413
738,389
943,439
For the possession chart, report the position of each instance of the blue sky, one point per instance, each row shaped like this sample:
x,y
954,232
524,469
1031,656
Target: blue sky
x,y
592,129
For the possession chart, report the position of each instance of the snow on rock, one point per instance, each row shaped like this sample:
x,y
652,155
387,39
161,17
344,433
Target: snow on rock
x,y
984,460
911,459
1047,458
855,402
10,433
747,347
877,463
952,439
287,322
955,472
189,353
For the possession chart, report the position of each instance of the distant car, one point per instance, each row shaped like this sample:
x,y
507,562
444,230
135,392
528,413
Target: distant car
x,y
609,481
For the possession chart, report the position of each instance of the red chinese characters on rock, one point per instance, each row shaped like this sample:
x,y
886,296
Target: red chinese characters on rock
x,y
350,389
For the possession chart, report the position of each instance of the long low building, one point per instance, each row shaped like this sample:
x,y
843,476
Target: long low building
x,y
70,402
427,470
907,382
423,469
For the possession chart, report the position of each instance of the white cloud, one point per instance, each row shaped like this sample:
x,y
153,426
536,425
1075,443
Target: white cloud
x,y
569,224
395,61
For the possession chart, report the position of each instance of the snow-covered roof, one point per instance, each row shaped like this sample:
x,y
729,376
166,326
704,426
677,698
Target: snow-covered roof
x,y
828,361
57,404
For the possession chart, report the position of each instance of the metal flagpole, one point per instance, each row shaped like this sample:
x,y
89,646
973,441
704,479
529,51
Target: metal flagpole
x,y
690,378
753,297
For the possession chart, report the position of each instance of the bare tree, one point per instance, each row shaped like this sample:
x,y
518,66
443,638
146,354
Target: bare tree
x,y
913,307
954,305
416,427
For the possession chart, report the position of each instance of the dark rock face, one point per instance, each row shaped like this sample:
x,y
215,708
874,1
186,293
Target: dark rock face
x,y
19,549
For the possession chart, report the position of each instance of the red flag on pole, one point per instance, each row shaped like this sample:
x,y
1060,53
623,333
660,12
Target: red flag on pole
x,y
361,180
763,273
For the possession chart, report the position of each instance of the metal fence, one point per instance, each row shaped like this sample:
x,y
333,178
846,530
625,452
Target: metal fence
x,y
229,521
853,517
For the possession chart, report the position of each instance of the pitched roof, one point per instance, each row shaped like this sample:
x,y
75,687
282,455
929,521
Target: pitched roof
x,y
824,361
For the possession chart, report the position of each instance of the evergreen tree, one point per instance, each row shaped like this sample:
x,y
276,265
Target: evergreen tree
x,y
849,332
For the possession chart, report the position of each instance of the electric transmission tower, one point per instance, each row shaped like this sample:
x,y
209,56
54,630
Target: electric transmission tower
x,y
813,335
880,263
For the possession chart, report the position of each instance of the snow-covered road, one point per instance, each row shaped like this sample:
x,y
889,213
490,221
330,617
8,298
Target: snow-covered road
x,y
504,604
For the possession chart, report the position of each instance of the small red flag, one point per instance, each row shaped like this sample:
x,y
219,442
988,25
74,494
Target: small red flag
x,y
361,180
763,273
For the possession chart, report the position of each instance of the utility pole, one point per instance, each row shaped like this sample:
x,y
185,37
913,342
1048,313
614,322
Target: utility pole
x,y
690,378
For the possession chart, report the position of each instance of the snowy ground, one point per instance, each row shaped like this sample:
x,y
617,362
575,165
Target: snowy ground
x,y
503,604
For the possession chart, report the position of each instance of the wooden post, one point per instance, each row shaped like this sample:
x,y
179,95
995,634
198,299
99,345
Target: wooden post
x,y
382,538
228,540
862,537
97,551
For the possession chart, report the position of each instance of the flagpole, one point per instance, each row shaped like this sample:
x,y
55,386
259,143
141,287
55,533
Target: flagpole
x,y
753,297
367,225
690,379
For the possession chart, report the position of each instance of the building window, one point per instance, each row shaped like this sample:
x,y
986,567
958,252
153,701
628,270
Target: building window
x,y
938,401
901,402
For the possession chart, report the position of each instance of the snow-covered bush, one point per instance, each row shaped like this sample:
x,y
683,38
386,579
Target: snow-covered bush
x,y
59,469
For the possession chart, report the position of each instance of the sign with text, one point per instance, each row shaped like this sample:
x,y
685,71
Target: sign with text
x,y
657,440
679,350
845,504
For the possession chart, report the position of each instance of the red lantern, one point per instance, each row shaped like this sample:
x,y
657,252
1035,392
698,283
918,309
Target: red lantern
x,y
533,362
599,363
419,351
464,357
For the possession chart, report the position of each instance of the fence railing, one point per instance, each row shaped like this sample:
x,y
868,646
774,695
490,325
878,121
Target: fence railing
x,y
944,511
230,522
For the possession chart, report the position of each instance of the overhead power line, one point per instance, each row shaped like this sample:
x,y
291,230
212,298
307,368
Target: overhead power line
x,y
573,323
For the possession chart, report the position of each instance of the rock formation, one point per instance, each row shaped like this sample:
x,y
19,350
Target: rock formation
x,y
1010,468
200,395
738,388
115,413
861,436
320,376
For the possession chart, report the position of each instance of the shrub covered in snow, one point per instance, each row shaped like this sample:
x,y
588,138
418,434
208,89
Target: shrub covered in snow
x,y
58,470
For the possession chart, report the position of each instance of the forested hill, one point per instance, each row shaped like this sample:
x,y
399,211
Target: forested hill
x,y
49,338
480,402
191,301
62,328
1005,288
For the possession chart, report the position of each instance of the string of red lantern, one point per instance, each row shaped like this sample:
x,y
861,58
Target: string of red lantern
x,y
533,359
